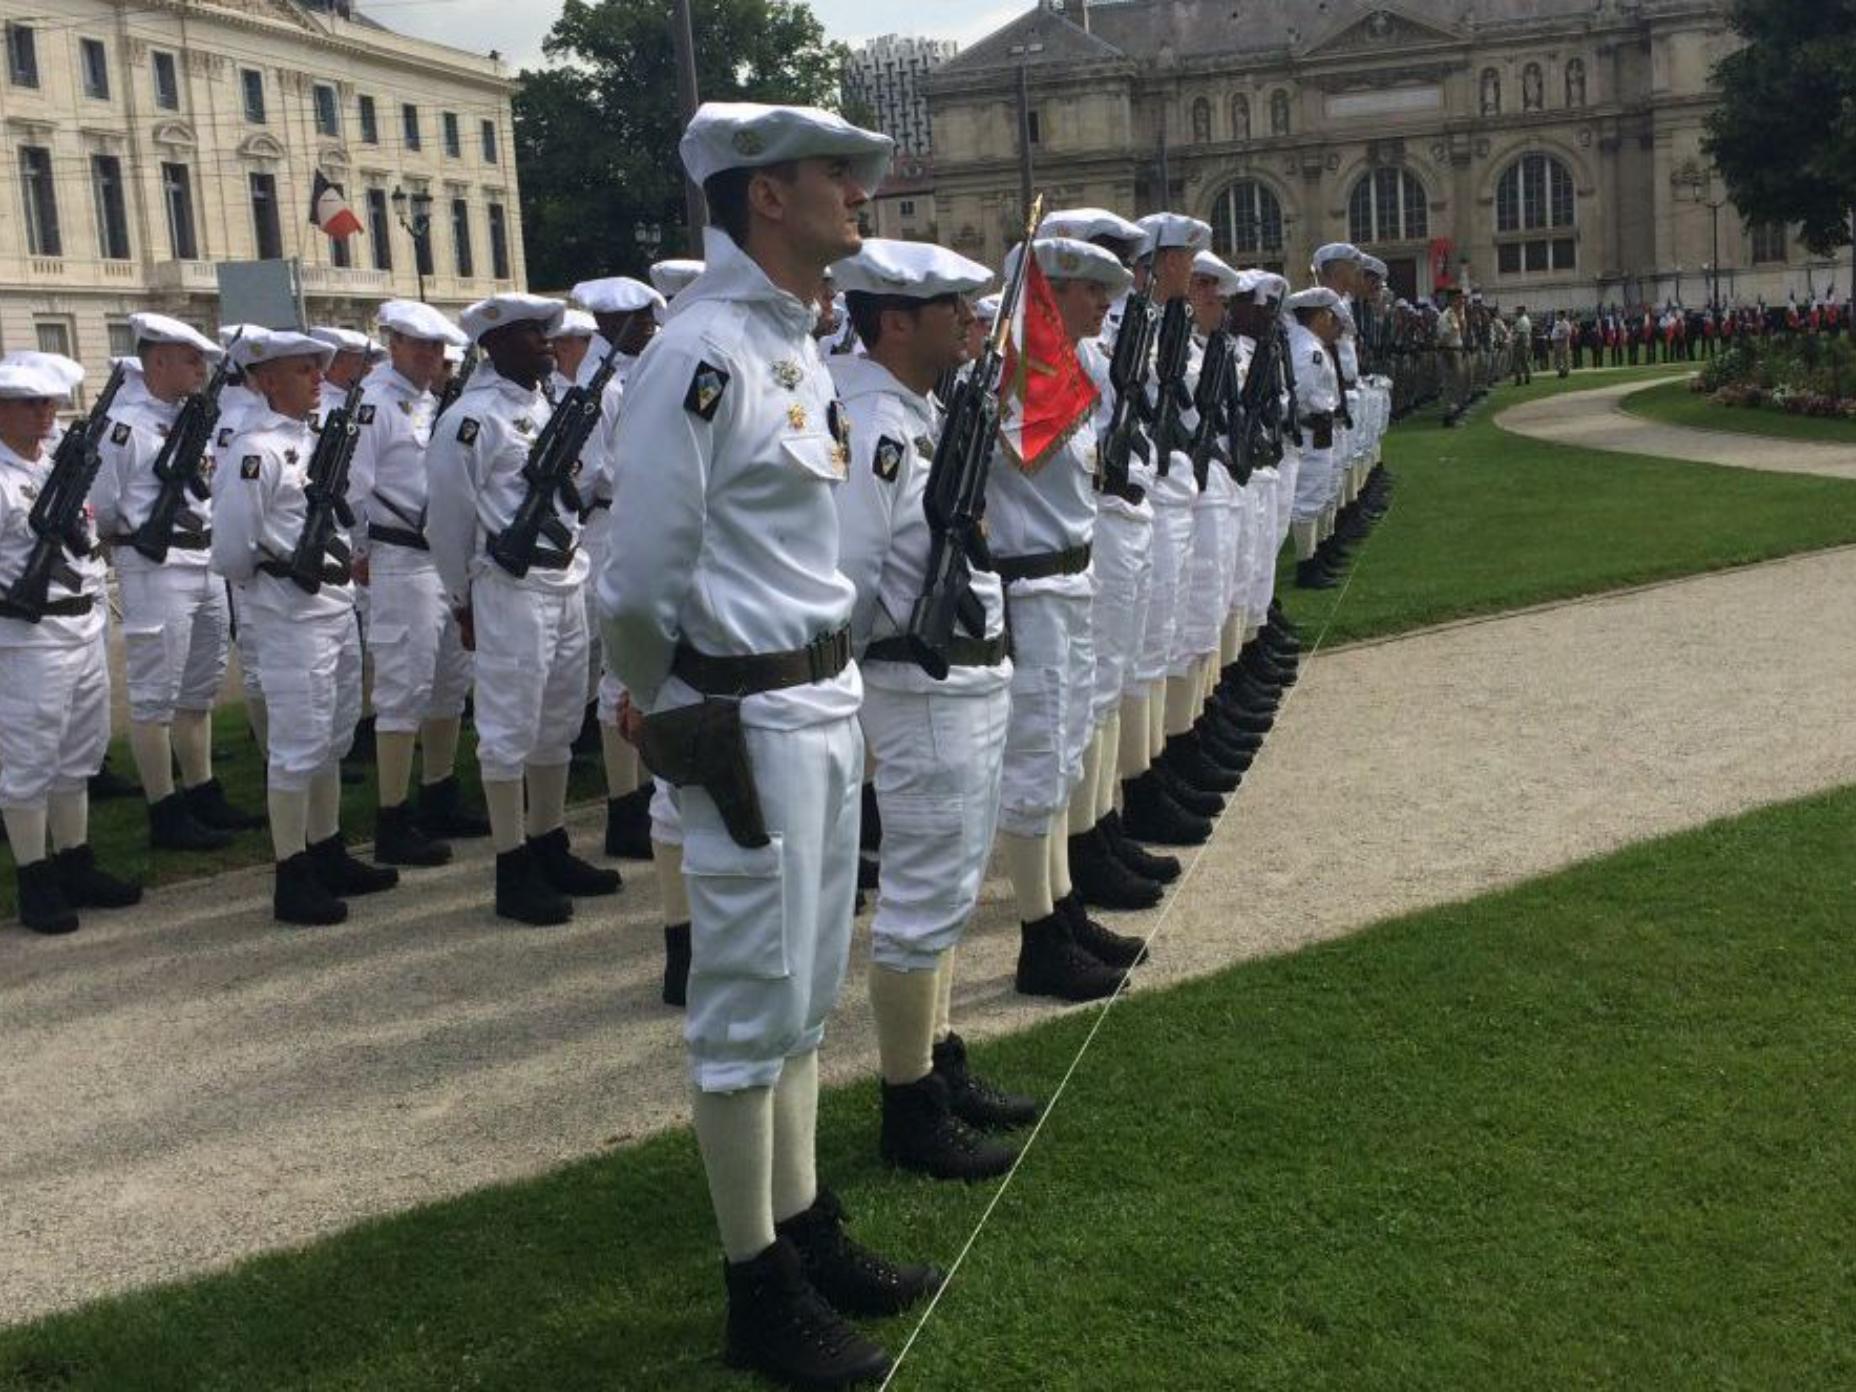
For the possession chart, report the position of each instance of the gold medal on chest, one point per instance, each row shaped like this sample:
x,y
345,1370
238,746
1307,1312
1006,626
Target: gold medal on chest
x,y
796,416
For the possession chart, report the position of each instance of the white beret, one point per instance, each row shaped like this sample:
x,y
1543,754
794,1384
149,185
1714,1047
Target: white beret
x,y
1269,286
67,370
159,328
228,332
345,340
986,309
1065,258
24,381
414,319
500,311
575,323
260,346
1336,251
454,353
1166,230
1229,282
1320,297
748,135
670,277
918,270
1086,224
1374,266
617,295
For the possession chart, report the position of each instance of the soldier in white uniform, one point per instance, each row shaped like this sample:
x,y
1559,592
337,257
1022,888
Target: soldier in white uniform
x,y
721,581
308,644
936,744
54,678
237,402
176,618
530,628
421,669
1317,381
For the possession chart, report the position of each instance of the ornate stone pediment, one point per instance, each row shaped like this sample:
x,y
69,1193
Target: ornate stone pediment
x,y
260,146
1376,79
1381,31
176,135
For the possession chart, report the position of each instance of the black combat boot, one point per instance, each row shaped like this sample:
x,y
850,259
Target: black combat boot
x,y
781,1328
345,876
853,1279
524,894
87,887
1220,748
1195,800
628,825
1256,662
677,964
1105,881
1051,964
1312,575
1241,722
207,803
1163,870
106,783
1189,763
922,1134
301,897
171,827
976,1101
568,873
1152,814
43,906
1117,950
399,841
443,815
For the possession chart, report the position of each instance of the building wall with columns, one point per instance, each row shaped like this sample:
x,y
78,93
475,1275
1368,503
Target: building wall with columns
x,y
81,288
1545,153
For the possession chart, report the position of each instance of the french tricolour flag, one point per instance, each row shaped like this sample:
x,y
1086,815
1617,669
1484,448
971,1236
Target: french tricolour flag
x,y
330,211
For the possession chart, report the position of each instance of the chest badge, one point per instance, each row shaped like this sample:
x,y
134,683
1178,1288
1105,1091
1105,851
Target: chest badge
x,y
467,432
405,407
796,416
290,456
788,373
924,447
524,426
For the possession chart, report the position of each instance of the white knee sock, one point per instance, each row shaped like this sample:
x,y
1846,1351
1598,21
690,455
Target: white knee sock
x,y
905,1004
153,748
547,797
670,887
1082,812
944,998
192,738
68,819
1156,719
1182,704
1304,535
795,1137
393,753
1230,641
289,822
734,1131
1134,759
1108,760
504,802
1060,885
439,742
25,833
1027,861
324,812
621,762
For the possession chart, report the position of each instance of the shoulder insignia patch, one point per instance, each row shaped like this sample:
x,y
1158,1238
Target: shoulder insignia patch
x,y
888,459
467,432
249,466
225,436
365,415
120,435
705,393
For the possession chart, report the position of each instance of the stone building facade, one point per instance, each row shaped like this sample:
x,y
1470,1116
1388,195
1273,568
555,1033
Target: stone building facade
x,y
1543,151
152,139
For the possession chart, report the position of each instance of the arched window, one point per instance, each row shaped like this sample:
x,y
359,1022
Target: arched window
x,y
1491,92
1388,205
1535,217
1533,88
1575,83
1279,114
1201,122
1247,221
1240,117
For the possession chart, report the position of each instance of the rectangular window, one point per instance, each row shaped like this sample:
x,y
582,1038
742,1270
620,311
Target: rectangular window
x,y
908,207
1536,256
167,82
112,215
499,243
96,61
460,237
54,337
328,115
268,234
253,82
379,229
1565,254
177,194
1508,258
122,338
35,177
1768,242
370,125
409,125
339,254
1031,125
22,55
489,142
454,143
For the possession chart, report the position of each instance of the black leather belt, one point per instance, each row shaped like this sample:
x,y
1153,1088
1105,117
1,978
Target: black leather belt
x,y
180,541
1130,493
820,660
551,558
1044,565
962,652
399,536
332,573
71,607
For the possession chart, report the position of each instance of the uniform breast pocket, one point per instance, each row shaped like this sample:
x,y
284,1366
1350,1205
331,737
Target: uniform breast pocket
x,y
818,455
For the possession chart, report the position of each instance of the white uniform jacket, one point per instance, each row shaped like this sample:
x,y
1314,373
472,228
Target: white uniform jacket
x,y
386,478
20,482
259,508
126,486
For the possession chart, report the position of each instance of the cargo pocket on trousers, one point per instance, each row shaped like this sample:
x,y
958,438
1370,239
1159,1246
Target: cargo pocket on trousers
x,y
738,898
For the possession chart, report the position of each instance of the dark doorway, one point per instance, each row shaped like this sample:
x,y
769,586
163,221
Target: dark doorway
x,y
1402,275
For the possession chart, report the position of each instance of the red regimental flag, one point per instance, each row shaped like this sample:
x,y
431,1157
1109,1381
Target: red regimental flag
x,y
330,211
1046,393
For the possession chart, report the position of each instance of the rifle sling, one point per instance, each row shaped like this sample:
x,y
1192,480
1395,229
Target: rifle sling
x,y
545,557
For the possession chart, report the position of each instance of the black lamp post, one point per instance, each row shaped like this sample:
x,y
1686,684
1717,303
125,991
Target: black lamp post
x,y
418,226
1700,183
649,236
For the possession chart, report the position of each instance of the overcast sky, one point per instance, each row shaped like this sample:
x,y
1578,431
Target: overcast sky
x,y
517,29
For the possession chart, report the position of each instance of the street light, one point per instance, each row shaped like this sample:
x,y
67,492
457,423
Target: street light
x,y
649,236
1699,182
418,226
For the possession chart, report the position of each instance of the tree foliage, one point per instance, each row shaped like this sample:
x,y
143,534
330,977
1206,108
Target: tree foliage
x,y
597,130
1784,134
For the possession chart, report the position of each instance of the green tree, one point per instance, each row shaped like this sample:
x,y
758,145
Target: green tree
x,y
597,131
1784,134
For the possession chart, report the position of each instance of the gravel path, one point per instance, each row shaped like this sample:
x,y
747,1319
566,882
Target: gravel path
x,y
189,1085
1597,420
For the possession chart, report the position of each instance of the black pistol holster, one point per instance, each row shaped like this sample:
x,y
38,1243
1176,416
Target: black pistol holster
x,y
703,746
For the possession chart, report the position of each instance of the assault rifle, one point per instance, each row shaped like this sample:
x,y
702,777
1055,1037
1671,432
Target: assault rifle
x,y
459,380
955,500
1216,373
1127,373
549,474
177,466
321,556
58,520
1174,358
1256,427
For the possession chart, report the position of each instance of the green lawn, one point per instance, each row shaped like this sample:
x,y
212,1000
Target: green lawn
x,y
1675,404
1484,521
1599,1130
